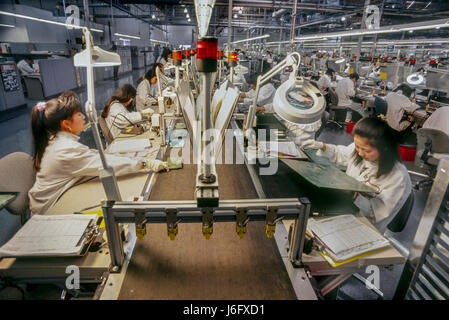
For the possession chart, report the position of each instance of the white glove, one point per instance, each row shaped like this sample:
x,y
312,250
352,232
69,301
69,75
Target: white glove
x,y
155,165
312,144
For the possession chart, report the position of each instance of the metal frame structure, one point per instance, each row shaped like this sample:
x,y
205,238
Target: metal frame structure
x,y
174,212
425,275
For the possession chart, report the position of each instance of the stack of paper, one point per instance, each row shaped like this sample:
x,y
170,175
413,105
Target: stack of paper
x,y
54,235
344,237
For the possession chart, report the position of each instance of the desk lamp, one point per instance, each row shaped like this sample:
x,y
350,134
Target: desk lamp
x,y
91,57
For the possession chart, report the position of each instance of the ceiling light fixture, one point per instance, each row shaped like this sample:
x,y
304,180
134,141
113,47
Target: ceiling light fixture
x,y
6,25
126,35
411,4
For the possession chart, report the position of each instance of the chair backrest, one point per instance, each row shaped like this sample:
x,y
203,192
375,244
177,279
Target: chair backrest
x,y
439,140
333,96
400,220
105,130
433,140
17,174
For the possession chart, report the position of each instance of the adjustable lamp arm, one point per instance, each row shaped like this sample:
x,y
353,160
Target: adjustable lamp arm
x,y
292,60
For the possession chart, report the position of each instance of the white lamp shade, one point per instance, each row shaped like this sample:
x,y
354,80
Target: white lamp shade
x,y
415,79
100,58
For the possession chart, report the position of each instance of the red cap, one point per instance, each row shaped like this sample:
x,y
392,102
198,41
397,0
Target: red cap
x,y
207,49
176,55
232,56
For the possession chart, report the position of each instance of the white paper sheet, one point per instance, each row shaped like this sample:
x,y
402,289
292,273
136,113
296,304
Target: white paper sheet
x,y
128,145
55,235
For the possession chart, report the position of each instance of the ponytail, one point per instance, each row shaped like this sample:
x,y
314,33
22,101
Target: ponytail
x,y
46,118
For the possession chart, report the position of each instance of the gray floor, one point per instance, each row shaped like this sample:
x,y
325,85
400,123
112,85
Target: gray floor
x,y
15,135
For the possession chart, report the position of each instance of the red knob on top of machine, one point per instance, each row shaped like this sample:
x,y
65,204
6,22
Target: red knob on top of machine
x,y
177,57
186,53
207,54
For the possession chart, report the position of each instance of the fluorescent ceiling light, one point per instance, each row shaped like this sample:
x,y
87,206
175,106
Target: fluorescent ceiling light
x,y
158,41
251,39
428,5
6,25
411,4
126,35
45,21
96,30
442,23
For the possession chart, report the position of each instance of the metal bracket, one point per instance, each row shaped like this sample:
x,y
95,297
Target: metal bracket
x,y
271,220
208,222
241,221
172,222
141,227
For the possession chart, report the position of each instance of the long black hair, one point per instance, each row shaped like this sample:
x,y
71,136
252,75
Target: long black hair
x,y
151,73
46,118
122,95
381,136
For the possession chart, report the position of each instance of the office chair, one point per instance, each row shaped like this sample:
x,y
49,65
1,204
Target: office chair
x,y
17,174
433,145
337,115
400,219
105,130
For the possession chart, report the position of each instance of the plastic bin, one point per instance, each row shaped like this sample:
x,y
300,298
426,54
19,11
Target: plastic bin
x,y
407,153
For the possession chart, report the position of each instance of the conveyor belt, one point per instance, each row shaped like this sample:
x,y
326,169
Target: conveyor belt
x,y
191,267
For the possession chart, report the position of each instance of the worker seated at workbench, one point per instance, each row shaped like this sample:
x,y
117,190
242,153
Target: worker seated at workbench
x,y
265,97
400,103
60,160
346,90
165,80
373,159
325,82
146,96
118,111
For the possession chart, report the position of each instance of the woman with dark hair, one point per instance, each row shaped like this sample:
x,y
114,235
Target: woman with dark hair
x,y
398,102
118,110
163,58
373,159
147,90
60,160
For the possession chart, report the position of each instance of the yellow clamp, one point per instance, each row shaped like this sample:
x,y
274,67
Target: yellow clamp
x,y
141,232
208,222
207,232
241,222
172,223
172,232
270,222
141,227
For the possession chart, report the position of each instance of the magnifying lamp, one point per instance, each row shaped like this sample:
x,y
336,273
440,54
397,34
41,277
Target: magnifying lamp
x,y
298,102
415,79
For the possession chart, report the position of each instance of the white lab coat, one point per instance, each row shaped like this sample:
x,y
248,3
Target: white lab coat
x,y
65,163
117,118
25,68
345,90
325,82
265,97
397,105
439,120
146,95
394,188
